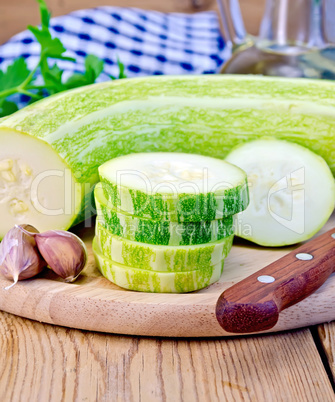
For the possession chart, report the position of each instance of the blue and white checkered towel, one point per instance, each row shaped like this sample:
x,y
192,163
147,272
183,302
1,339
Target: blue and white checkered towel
x,y
147,42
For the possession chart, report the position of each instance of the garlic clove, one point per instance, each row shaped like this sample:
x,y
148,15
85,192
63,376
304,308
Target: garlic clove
x,y
64,252
19,256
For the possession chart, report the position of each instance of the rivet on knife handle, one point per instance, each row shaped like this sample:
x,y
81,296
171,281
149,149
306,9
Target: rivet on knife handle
x,y
254,304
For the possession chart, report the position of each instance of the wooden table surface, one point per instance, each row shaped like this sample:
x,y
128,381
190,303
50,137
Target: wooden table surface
x,y
41,362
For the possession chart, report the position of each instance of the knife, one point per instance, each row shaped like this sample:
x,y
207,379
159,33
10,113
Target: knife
x,y
254,304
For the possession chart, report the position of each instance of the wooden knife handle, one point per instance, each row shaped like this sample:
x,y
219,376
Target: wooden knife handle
x,y
254,304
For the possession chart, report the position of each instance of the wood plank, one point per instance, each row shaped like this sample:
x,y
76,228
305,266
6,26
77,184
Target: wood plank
x,y
327,337
44,362
15,15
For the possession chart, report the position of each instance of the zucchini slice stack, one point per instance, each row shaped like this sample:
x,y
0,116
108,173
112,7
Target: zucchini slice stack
x,y
165,220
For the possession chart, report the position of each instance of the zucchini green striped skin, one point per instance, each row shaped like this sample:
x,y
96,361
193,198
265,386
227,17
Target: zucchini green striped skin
x,y
177,187
161,258
207,115
159,232
186,208
153,281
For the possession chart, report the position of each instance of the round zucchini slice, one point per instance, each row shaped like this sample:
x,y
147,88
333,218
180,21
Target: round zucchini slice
x,y
292,192
161,258
177,187
159,232
152,281
164,233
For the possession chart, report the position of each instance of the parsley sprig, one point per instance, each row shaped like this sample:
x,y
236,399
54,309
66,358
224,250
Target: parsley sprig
x,y
18,79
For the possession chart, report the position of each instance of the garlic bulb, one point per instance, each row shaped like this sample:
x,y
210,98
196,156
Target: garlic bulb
x,y
64,252
19,256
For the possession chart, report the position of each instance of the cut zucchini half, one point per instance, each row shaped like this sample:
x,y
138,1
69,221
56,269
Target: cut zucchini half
x,y
159,232
177,187
292,192
36,185
161,258
152,281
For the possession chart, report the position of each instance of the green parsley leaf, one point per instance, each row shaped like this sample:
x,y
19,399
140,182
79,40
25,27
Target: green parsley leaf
x,y
45,13
15,74
19,79
121,69
38,95
53,78
76,80
7,107
94,67
50,47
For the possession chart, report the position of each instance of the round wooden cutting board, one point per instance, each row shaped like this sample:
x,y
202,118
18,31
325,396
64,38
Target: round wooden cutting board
x,y
93,303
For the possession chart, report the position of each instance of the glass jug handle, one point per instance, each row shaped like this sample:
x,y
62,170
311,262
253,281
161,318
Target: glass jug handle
x,y
232,23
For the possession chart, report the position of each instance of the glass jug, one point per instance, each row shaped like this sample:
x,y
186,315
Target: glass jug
x,y
295,39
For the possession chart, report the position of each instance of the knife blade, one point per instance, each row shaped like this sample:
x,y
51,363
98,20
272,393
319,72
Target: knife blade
x,y
254,304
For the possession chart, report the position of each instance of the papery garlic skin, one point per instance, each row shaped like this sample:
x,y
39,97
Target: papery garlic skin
x,y
64,252
19,256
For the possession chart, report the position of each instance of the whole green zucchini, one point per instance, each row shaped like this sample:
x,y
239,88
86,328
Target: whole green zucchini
x,y
50,151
